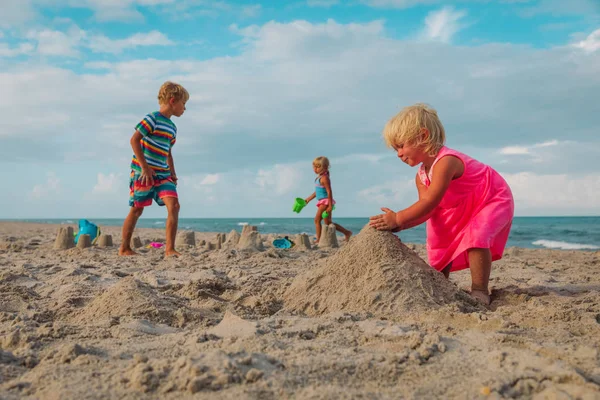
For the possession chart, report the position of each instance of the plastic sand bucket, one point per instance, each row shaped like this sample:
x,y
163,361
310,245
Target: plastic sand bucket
x,y
299,204
282,243
326,214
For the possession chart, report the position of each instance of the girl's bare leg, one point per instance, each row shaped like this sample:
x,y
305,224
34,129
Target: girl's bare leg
x,y
480,263
318,219
446,270
338,227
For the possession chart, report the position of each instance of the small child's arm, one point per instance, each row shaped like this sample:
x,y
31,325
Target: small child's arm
x,y
327,183
309,198
147,175
447,168
172,167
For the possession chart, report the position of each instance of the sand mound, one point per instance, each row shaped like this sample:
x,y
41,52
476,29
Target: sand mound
x,y
132,298
374,273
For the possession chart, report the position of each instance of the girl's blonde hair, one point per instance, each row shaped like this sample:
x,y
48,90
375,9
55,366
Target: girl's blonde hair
x,y
170,90
407,127
322,162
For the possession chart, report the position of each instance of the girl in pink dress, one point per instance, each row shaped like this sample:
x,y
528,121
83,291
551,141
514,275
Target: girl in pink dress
x,y
468,206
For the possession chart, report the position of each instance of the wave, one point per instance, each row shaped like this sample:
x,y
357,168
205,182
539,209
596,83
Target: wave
x,y
262,223
242,223
554,244
159,223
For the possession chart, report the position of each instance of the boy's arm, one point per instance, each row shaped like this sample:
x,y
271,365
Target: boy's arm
x,y
172,167
147,176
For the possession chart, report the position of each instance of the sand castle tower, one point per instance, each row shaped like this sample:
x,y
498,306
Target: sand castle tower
x,y
185,238
250,239
374,273
233,238
64,238
328,237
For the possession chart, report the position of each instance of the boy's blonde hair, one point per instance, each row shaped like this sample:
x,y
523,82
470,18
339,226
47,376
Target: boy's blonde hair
x,y
322,162
407,127
170,90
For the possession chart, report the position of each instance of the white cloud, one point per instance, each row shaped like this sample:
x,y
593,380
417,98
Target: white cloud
x,y
251,11
561,8
21,49
69,43
51,186
557,193
514,150
16,12
281,179
390,193
210,179
57,43
443,24
102,44
591,43
399,3
522,150
322,3
107,183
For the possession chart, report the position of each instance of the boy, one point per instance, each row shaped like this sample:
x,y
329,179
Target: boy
x,y
152,169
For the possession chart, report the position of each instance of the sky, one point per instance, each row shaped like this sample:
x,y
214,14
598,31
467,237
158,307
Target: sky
x,y
274,84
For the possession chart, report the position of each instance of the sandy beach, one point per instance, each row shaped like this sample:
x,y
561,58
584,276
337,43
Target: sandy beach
x,y
366,320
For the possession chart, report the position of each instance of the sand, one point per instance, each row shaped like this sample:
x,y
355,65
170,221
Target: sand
x,y
367,320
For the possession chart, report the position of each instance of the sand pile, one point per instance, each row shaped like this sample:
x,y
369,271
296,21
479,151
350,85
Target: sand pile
x,y
132,298
206,372
374,273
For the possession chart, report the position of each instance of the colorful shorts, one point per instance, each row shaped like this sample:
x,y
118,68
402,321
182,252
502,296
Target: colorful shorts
x,y
323,202
141,195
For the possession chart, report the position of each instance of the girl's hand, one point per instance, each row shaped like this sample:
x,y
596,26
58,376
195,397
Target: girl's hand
x,y
307,200
385,222
329,209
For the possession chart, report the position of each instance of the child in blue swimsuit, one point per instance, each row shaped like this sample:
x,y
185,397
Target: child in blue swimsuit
x,y
324,197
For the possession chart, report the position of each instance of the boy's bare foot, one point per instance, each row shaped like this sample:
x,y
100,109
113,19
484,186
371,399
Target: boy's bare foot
x,y
127,252
172,253
348,235
482,296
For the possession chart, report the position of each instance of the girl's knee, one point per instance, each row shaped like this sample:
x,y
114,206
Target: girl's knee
x,y
137,211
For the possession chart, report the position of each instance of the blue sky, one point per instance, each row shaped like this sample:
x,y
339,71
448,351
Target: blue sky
x,y
275,84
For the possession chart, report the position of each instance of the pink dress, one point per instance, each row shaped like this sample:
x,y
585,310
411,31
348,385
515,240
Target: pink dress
x,y
475,212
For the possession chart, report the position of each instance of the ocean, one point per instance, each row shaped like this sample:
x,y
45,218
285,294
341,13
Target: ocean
x,y
567,233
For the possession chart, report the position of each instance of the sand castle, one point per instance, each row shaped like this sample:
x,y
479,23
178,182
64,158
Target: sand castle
x,y
64,238
328,237
302,242
250,239
136,242
185,238
376,273
233,238
105,241
84,241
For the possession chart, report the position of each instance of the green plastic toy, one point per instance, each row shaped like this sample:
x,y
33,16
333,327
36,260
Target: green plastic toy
x,y
326,214
299,204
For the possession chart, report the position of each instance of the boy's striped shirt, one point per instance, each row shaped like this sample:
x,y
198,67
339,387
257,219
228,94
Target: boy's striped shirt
x,y
159,135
